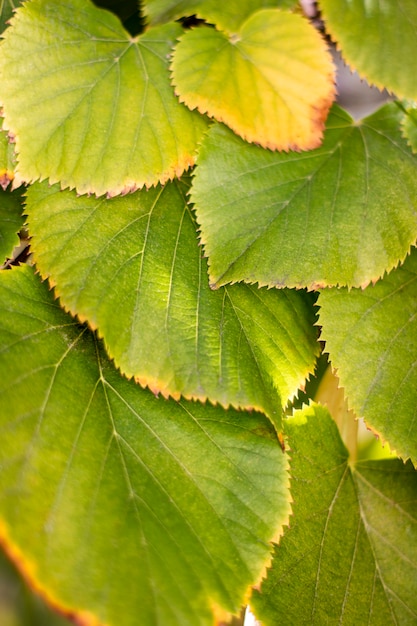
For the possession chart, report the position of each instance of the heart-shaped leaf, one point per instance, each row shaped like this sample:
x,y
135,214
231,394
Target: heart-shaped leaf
x,y
349,553
119,507
272,82
343,214
378,39
77,90
371,339
133,268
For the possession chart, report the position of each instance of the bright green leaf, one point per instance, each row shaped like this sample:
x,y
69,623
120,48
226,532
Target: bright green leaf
x,y
409,127
11,222
272,82
133,268
349,555
377,38
227,16
342,214
371,338
88,104
115,503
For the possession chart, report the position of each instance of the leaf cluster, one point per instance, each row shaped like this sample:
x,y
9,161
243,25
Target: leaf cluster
x,y
207,229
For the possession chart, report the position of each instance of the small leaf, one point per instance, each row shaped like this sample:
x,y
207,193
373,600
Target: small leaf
x,y
370,336
88,104
343,214
227,16
350,550
11,222
132,267
272,82
7,158
114,503
409,127
378,39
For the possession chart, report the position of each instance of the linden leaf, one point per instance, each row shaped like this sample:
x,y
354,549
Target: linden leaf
x,y
121,508
77,90
272,82
378,39
342,214
350,550
133,268
370,336
227,16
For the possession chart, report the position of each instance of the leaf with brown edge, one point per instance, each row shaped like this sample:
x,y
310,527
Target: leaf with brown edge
x,y
117,503
90,106
271,82
133,268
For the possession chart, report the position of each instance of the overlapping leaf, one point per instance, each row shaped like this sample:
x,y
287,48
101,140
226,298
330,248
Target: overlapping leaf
x,y
91,107
378,39
272,82
11,222
6,11
342,214
118,505
350,552
409,127
371,338
227,16
132,267
7,158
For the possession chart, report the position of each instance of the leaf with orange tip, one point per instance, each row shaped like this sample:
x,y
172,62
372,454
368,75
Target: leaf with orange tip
x,y
370,336
271,82
121,508
351,543
132,267
90,106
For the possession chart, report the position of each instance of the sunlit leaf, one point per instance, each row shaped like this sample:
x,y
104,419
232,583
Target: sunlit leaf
x,y
371,338
342,214
11,222
350,551
271,82
115,503
88,104
133,268
378,39
227,16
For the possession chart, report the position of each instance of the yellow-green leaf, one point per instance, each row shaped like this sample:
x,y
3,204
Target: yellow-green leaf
x,y
90,106
271,82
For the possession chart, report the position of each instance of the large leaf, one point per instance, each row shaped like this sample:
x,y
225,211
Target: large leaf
x,y
121,507
371,338
133,268
88,104
272,82
227,16
378,39
342,214
11,222
349,555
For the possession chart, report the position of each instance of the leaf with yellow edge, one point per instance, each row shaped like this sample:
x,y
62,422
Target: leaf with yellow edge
x,y
90,106
272,83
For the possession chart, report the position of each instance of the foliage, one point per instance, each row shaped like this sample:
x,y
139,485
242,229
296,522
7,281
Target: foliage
x,y
206,225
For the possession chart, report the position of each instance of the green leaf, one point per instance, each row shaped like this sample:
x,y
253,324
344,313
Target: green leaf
x,y
342,214
227,16
350,551
114,503
370,336
272,82
378,39
88,104
409,126
6,11
133,268
11,222
7,158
